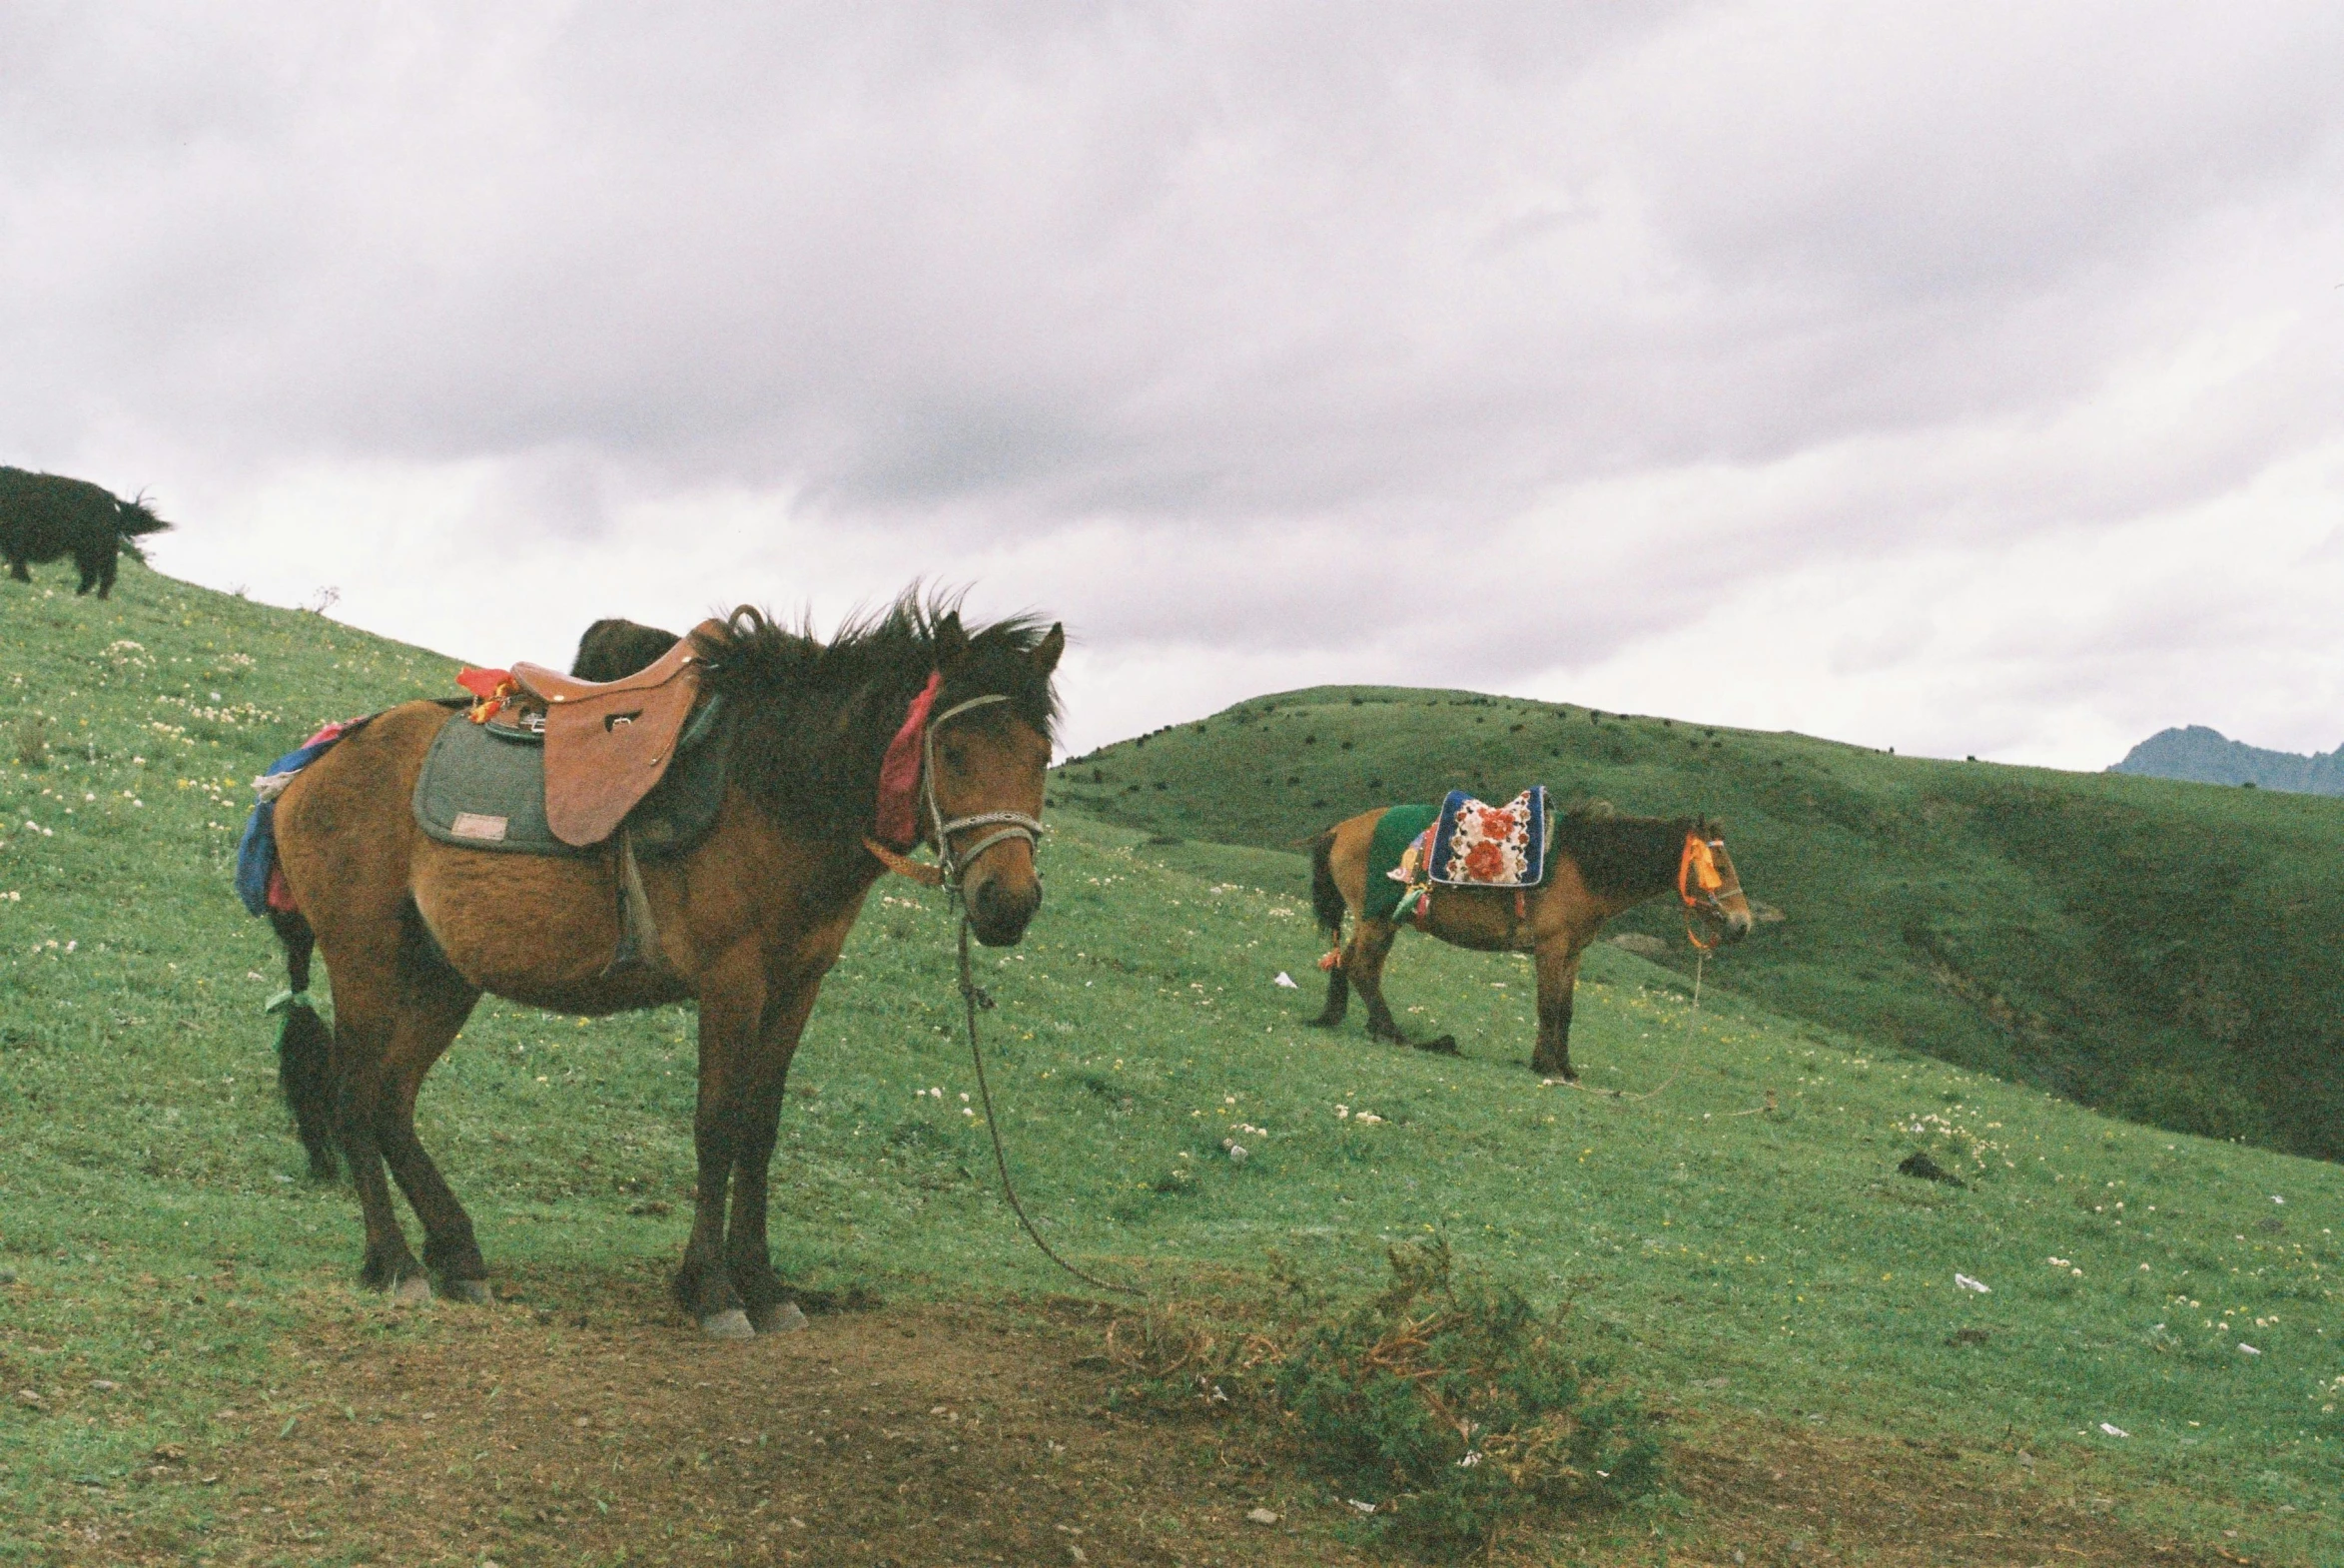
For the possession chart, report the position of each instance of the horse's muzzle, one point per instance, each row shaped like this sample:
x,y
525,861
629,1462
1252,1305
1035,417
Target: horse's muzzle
x,y
999,915
1736,925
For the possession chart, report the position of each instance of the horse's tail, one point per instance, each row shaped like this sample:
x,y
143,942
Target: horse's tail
x,y
1326,900
304,1047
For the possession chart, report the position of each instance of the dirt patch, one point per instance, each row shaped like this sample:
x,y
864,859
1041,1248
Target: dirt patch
x,y
1780,1495
941,1436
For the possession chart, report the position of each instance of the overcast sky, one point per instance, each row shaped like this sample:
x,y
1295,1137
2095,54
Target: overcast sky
x,y
1965,379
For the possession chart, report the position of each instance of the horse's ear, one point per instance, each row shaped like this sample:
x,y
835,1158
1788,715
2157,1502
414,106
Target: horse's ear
x,y
1046,652
952,643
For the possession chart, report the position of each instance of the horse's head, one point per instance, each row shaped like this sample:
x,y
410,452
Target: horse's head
x,y
988,750
1711,887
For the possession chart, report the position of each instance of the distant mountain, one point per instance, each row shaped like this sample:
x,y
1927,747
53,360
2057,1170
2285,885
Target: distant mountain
x,y
2203,756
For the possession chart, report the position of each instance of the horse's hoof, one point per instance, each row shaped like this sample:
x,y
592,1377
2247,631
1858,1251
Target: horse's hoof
x,y
472,1292
783,1318
411,1291
1445,1046
731,1324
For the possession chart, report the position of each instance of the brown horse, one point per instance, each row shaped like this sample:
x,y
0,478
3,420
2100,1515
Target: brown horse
x,y
414,930
1599,864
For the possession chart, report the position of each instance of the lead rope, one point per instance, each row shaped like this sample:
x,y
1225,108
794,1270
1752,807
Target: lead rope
x,y
1011,824
1700,963
972,997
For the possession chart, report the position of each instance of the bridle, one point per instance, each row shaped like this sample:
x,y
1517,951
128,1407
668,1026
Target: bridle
x,y
1700,884
1005,825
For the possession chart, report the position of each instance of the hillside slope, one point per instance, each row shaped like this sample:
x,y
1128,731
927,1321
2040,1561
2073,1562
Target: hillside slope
x,y
2161,950
2206,756
1737,1241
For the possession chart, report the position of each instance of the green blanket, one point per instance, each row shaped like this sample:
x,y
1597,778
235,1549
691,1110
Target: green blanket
x,y
483,787
1394,830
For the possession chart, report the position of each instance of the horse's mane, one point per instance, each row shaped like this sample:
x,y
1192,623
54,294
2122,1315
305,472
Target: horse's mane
x,y
814,718
1620,856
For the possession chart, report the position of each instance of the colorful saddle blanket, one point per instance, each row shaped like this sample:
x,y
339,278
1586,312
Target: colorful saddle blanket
x,y
1460,843
483,787
1477,845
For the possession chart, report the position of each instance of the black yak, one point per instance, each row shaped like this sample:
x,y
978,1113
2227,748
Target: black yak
x,y
46,515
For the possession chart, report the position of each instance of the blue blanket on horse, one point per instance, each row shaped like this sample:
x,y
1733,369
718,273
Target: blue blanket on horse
x,y
256,881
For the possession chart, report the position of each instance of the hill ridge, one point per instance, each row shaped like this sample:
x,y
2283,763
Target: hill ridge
x,y
2147,947
2197,754
178,1301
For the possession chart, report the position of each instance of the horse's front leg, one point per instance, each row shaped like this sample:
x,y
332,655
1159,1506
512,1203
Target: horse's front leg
x,y
730,1004
748,1257
1558,979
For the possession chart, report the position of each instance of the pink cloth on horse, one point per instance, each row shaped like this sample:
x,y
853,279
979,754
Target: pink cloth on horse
x,y
896,823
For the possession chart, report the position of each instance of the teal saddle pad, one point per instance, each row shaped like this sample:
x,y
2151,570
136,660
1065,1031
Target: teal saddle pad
x,y
483,787
1394,830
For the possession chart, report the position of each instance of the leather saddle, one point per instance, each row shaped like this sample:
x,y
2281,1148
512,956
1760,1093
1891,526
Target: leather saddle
x,y
608,744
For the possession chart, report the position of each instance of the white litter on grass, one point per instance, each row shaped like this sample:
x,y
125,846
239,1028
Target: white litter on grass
x,y
1362,1507
2246,1349
1968,1284
2113,1430
1288,981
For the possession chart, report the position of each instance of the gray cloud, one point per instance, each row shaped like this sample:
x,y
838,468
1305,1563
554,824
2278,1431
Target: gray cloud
x,y
1485,345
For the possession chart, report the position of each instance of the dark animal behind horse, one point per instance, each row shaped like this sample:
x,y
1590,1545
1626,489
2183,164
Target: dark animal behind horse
x,y
45,517
613,649
414,930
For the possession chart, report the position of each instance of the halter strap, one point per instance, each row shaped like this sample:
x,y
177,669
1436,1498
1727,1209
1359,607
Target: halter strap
x,y
1007,825
1698,884
951,863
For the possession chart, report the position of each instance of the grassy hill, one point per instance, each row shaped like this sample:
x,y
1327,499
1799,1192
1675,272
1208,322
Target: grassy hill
x,y
2161,950
1738,1243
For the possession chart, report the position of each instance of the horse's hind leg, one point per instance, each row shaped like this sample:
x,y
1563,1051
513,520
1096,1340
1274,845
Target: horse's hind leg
x,y
1339,998
364,1009
1370,945
433,1002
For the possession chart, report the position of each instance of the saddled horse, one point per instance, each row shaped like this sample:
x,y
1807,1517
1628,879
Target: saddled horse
x,y
414,930
1600,864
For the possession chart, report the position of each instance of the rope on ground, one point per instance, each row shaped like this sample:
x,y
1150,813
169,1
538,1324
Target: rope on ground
x,y
971,996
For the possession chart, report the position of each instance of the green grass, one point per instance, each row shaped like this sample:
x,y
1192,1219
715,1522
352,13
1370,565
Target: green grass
x,y
2157,948
1718,1253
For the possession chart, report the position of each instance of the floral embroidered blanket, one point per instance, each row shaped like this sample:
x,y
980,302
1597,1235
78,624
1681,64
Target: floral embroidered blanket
x,y
1477,845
